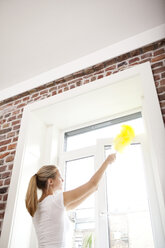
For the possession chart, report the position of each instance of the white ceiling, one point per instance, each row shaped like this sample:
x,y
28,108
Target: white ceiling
x,y
37,36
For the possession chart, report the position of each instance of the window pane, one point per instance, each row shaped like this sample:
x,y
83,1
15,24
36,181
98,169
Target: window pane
x,y
129,218
79,172
89,138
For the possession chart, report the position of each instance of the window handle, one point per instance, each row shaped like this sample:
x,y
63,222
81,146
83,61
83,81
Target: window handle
x,y
104,213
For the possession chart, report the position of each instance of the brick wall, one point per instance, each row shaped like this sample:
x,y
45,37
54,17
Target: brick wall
x,y
11,109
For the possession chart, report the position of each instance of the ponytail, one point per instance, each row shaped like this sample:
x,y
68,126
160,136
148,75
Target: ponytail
x,y
39,181
31,196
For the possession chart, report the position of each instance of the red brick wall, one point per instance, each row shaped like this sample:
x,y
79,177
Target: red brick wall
x,y
11,109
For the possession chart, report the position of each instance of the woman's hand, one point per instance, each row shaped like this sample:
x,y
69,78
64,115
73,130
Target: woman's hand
x,y
111,158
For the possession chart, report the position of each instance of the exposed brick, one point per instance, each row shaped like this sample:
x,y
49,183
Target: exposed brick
x,y
5,175
54,93
68,77
44,92
7,115
52,89
78,83
60,91
2,149
2,206
10,167
161,96
3,168
60,80
98,67
15,122
66,88
1,161
162,69
3,190
163,75
15,139
16,127
162,104
158,64
162,82
2,137
163,111
2,121
2,215
78,74
35,95
158,52
123,57
131,61
3,155
5,130
19,116
111,68
7,181
12,146
146,55
108,73
100,76
72,86
16,112
1,183
17,102
5,197
136,52
99,72
11,134
110,62
22,105
92,79
12,118
161,89
122,64
148,48
6,125
88,71
9,158
160,57
13,152
157,84
26,98
62,86
41,87
86,81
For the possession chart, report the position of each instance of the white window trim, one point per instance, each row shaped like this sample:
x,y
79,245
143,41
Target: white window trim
x,y
155,140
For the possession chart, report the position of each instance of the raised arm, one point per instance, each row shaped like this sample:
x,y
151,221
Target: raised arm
x,y
74,197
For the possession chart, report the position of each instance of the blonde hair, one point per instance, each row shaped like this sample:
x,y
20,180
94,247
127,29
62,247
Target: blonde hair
x,y
38,180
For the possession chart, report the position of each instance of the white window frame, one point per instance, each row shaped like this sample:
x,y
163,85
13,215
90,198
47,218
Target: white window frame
x,y
98,151
158,236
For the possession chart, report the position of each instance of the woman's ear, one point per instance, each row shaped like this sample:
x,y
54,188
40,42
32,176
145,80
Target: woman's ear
x,y
50,181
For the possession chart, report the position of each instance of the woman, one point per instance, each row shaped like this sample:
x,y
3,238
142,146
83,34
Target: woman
x,y
49,215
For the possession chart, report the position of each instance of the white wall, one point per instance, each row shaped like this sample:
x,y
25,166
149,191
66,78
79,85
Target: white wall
x,y
40,35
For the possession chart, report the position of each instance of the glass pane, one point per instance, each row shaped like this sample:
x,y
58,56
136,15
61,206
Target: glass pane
x,y
78,172
89,138
129,218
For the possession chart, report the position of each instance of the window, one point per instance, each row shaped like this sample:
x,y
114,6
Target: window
x,y
127,202
125,207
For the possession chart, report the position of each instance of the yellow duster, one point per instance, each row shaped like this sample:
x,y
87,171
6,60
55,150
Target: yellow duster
x,y
124,138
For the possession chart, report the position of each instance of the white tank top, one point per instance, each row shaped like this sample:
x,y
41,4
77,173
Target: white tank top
x,y
52,225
